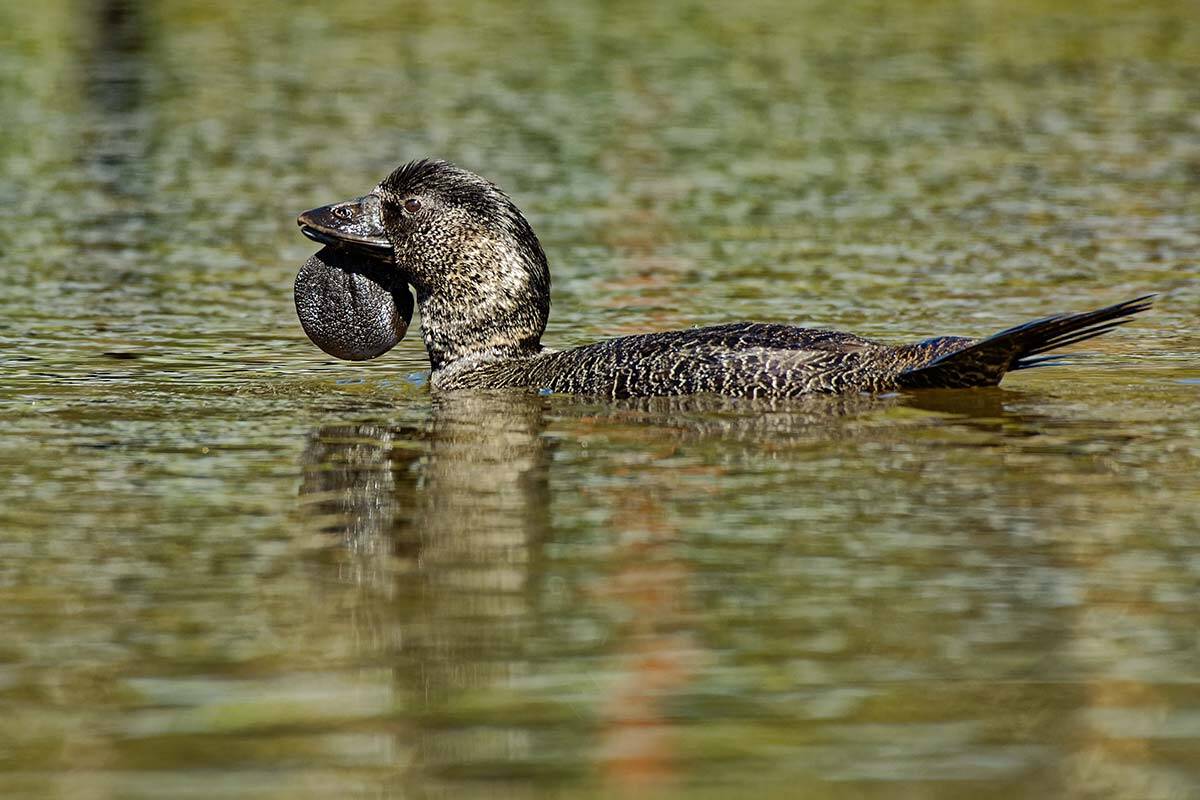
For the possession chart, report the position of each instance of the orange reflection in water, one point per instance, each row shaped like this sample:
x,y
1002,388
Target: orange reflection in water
x,y
657,655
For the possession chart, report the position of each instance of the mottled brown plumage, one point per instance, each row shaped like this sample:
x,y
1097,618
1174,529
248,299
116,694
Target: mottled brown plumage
x,y
483,289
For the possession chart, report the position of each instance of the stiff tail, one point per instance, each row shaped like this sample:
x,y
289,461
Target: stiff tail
x,y
985,362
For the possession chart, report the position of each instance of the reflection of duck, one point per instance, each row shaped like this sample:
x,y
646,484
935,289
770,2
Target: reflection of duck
x,y
444,519
469,479
488,605
483,288
478,467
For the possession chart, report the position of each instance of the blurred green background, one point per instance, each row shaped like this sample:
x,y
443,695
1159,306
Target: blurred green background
x,y
231,567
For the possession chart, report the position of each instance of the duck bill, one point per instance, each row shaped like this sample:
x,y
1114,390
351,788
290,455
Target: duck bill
x,y
354,223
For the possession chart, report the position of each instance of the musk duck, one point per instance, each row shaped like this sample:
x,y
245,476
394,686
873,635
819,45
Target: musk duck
x,y
483,288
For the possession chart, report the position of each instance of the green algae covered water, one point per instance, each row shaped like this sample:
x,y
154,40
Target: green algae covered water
x,y
231,567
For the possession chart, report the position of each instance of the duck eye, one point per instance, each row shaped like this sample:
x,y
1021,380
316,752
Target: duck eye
x,y
412,205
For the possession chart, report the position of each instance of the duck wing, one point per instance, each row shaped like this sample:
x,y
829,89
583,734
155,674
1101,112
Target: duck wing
x,y
752,335
744,359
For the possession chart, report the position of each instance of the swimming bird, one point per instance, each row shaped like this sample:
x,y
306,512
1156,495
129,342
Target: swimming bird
x,y
483,289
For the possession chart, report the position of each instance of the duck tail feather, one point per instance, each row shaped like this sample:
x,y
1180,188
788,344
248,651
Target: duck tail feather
x,y
985,362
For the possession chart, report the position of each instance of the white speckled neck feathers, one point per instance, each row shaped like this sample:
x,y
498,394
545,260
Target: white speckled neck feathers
x,y
483,305
480,275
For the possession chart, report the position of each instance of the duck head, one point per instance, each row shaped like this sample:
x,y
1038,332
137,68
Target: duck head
x,y
478,270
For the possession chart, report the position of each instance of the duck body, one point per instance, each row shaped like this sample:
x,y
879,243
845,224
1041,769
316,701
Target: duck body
x,y
483,289
742,359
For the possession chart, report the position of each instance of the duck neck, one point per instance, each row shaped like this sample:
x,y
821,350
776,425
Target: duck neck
x,y
457,324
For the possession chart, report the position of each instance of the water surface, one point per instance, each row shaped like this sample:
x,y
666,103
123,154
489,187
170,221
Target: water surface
x,y
232,567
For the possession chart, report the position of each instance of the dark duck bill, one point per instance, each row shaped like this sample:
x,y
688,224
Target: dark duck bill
x,y
355,224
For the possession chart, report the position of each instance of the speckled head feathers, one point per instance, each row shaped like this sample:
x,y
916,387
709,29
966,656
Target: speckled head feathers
x,y
441,178
478,269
